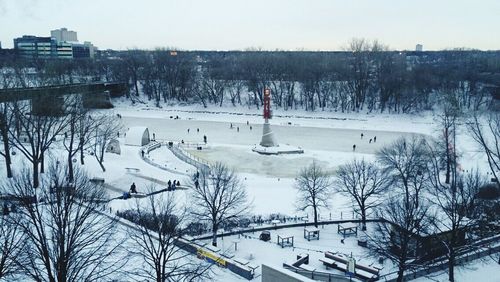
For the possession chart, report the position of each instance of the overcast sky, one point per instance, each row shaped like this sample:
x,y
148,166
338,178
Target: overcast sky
x,y
269,24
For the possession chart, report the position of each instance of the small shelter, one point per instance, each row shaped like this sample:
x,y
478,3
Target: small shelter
x,y
137,136
113,147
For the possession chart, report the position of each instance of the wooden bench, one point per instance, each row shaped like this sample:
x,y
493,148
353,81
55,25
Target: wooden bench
x,y
340,262
97,180
364,274
301,259
362,271
307,267
328,263
368,269
241,261
132,169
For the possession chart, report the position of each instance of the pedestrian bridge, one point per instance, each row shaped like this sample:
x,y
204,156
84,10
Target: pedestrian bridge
x,y
50,99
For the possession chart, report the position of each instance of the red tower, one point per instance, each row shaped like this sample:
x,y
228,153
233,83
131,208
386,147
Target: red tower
x,y
267,104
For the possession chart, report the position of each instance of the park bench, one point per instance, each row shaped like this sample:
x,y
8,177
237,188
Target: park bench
x,y
364,272
367,272
340,262
328,263
301,259
241,261
97,180
307,267
132,169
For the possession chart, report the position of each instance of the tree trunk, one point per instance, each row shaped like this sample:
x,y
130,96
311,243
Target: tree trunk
x,y
42,163
451,265
363,219
214,235
315,216
400,274
82,161
70,168
7,153
35,174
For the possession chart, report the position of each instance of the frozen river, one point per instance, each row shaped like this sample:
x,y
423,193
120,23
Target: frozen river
x,y
309,138
329,146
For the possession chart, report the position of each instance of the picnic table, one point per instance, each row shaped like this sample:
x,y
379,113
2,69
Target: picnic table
x,y
285,240
275,222
311,233
347,228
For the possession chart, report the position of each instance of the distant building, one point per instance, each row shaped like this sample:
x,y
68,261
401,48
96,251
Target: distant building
x,y
64,50
85,50
64,35
419,48
30,46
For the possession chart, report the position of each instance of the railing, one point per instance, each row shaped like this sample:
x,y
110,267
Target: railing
x,y
442,263
187,157
153,146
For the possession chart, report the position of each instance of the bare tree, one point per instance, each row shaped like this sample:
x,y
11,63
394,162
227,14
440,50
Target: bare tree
x,y
405,163
159,227
68,236
12,243
313,187
106,127
218,195
364,183
487,136
4,134
454,199
77,133
405,210
447,120
34,134
396,237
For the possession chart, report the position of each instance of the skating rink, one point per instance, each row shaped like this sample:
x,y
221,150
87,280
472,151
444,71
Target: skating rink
x,y
329,146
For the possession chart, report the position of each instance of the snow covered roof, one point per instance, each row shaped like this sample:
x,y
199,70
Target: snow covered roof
x,y
137,136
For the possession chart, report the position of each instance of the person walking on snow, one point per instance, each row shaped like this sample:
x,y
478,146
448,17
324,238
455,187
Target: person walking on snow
x,y
133,188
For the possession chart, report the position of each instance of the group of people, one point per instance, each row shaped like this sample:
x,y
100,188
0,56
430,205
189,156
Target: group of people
x,y
374,139
237,127
173,185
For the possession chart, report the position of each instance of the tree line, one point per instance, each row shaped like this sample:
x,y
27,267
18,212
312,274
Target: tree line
x,y
367,77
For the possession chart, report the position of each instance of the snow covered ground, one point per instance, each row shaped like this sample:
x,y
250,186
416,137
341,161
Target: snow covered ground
x,y
326,137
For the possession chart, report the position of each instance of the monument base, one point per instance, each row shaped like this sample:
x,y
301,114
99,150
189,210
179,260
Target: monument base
x,y
277,150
